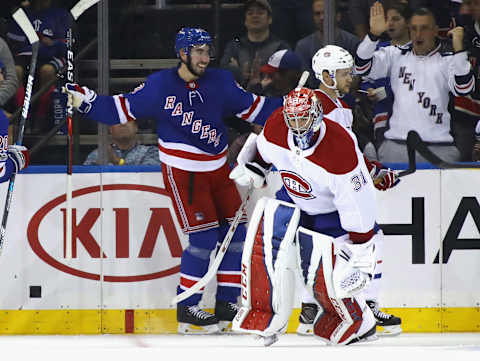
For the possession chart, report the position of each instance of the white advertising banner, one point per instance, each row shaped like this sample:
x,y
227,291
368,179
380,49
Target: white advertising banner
x,y
127,243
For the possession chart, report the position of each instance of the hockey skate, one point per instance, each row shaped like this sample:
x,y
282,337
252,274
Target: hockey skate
x,y
192,320
307,316
388,324
225,312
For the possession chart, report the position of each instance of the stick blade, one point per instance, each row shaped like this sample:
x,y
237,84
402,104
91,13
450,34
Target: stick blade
x,y
24,22
80,7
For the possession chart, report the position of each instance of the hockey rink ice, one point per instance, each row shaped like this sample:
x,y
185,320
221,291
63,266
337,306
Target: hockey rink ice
x,y
406,347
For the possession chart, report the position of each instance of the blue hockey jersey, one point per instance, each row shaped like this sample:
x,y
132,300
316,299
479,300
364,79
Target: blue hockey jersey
x,y
6,164
191,132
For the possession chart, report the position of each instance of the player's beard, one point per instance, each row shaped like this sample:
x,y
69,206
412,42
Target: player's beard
x,y
191,69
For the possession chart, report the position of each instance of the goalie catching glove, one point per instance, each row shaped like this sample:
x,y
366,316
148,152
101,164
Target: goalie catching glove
x,y
249,173
81,98
19,156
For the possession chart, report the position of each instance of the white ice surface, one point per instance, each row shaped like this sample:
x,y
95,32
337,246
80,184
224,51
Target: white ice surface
x,y
406,347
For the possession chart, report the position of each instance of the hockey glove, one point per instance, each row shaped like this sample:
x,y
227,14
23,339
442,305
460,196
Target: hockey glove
x,y
354,275
383,178
251,172
81,98
19,155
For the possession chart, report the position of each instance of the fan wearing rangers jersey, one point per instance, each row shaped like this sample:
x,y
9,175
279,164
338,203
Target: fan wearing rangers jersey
x,y
189,103
325,175
51,24
421,78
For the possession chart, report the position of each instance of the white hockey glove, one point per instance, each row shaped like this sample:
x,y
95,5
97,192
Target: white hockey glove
x,y
354,275
81,98
251,172
19,155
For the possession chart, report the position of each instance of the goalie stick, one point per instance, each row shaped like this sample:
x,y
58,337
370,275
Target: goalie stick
x,y
228,237
411,145
432,158
24,23
78,9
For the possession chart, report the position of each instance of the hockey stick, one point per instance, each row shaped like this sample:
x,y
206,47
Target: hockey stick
x,y
228,237
221,252
432,158
22,20
78,9
411,145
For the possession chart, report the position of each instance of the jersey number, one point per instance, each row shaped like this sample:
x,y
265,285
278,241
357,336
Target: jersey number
x,y
358,180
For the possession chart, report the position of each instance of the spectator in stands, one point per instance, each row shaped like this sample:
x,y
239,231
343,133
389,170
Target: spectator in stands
x,y
292,19
280,76
379,91
124,149
246,55
359,15
51,24
308,46
421,77
281,73
467,109
8,81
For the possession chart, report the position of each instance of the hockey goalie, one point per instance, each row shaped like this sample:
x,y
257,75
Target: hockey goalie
x,y
320,229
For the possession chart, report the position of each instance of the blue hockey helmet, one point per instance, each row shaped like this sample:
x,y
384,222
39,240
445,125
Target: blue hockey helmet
x,y
188,37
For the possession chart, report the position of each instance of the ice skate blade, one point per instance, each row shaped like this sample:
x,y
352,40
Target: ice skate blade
x,y
267,340
225,327
305,329
389,331
189,329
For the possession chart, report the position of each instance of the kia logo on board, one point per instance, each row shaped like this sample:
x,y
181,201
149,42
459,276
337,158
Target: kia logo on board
x,y
149,223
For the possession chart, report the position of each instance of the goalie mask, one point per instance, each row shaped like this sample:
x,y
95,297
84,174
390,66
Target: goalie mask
x,y
303,114
331,58
188,38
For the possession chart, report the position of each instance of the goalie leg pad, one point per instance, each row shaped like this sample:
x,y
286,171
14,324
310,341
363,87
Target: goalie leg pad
x,y
268,269
341,318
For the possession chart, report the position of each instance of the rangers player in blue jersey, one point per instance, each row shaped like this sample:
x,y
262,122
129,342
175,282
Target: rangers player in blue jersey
x,y
13,158
189,103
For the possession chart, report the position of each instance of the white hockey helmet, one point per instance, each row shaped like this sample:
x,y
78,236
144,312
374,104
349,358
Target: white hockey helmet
x,y
303,113
331,58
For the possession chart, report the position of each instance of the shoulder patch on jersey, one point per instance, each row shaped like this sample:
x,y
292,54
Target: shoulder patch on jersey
x,y
276,130
336,152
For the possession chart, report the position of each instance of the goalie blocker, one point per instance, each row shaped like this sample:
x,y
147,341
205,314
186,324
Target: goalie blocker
x,y
277,252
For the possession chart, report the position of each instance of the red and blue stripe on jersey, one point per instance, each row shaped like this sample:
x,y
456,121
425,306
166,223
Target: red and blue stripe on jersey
x,y
191,132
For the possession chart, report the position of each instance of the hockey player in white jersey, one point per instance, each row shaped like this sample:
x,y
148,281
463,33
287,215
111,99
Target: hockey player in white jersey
x,y
422,76
333,202
333,67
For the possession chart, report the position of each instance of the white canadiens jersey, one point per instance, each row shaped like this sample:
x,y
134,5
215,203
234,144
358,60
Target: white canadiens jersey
x,y
336,110
330,176
421,86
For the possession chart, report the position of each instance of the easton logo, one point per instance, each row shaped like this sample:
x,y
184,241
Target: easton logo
x,y
134,235
296,185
